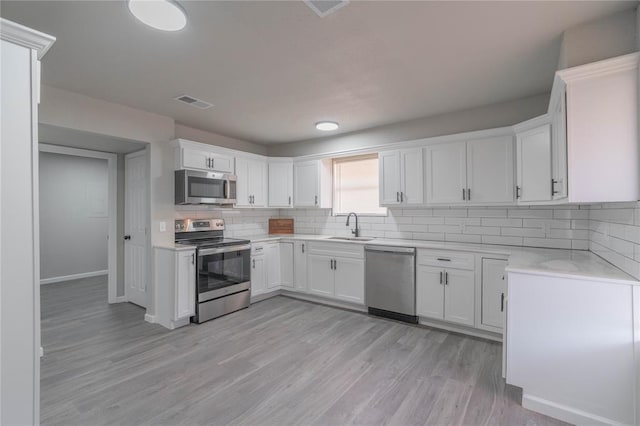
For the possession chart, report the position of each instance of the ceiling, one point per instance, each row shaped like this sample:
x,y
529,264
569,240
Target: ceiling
x,y
274,68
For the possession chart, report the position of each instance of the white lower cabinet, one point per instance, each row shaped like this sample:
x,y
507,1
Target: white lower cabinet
x,y
286,264
258,274
300,265
175,287
494,292
273,264
459,296
349,279
320,274
429,292
338,277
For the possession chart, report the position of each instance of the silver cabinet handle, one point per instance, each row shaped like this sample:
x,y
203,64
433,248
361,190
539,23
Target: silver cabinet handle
x,y
444,259
468,194
331,264
193,258
401,197
254,264
440,277
289,199
518,192
398,197
316,200
464,196
335,264
446,278
553,187
502,302
303,247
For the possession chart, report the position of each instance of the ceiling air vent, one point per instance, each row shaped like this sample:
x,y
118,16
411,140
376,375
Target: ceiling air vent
x,y
196,103
324,7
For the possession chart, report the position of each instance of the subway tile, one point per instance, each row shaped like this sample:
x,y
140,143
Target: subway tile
x,y
522,232
417,212
463,238
482,230
454,229
450,212
475,212
569,234
501,222
428,236
511,241
579,224
552,223
462,220
580,244
530,213
570,214
398,235
547,243
429,220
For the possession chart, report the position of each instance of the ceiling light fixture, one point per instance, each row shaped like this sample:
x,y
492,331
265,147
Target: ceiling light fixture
x,y
165,15
326,126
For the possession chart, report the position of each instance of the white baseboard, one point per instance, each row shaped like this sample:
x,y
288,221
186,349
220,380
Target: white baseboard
x,y
563,412
121,299
150,318
489,335
324,300
73,277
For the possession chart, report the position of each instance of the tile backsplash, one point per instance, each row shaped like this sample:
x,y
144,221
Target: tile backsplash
x,y
238,222
553,227
614,234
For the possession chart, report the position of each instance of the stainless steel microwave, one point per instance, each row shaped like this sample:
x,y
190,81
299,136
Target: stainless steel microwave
x,y
195,187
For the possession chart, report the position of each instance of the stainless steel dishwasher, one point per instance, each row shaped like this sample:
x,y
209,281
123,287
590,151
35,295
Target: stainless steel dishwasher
x,y
390,282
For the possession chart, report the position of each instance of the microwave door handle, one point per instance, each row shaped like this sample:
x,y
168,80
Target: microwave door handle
x,y
227,189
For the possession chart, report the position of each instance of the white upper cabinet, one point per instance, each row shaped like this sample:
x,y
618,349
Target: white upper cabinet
x,y
446,173
559,148
534,165
601,129
401,177
312,183
197,156
251,186
475,172
281,184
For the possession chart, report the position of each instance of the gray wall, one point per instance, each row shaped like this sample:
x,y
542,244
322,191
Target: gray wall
x,y
604,38
73,215
497,115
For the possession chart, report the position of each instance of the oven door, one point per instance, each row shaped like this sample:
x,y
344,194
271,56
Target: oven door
x,y
223,271
194,187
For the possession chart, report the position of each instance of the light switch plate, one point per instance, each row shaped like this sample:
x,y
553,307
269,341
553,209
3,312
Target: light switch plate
x,y
163,226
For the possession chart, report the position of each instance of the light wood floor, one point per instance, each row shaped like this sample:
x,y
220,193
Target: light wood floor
x,y
281,361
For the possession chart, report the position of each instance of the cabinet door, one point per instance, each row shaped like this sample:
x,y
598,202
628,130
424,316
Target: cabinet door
x,y
459,296
306,184
195,159
534,164
273,265
243,196
258,183
494,290
412,176
389,177
185,291
280,184
490,171
258,275
320,275
559,150
430,292
286,265
300,265
446,173
349,279
222,163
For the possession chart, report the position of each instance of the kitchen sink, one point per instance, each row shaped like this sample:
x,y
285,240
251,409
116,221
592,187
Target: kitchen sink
x,y
351,238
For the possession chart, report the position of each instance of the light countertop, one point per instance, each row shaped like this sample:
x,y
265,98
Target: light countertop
x,y
539,261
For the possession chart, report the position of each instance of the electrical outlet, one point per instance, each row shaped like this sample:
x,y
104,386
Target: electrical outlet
x,y
163,226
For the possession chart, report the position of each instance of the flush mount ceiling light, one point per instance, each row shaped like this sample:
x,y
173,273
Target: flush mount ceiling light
x,y
326,126
165,15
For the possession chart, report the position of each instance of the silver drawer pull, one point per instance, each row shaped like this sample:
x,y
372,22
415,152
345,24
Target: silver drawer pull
x,y
444,259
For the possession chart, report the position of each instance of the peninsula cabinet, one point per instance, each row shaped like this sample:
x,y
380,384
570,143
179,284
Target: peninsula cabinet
x,y
312,183
601,102
175,286
478,172
401,177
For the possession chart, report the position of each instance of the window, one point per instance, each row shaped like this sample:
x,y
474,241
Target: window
x,y
355,185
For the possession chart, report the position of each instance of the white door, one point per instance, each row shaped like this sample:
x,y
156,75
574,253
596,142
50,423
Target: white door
x,y
490,172
135,227
412,176
349,279
446,173
280,184
185,290
459,296
559,151
534,164
286,264
258,183
494,289
430,292
300,265
389,174
320,274
273,264
258,275
243,196
306,183
195,159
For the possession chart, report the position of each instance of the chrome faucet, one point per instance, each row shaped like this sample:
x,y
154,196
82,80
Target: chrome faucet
x,y
355,232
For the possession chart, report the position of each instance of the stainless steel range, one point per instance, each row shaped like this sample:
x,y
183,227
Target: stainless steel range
x,y
223,273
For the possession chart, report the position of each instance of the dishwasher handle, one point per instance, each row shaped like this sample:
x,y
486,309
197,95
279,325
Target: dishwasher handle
x,y
394,250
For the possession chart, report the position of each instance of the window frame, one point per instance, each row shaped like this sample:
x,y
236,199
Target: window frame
x,y
348,159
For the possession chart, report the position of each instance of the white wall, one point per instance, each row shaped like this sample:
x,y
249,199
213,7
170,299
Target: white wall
x,y
490,116
74,218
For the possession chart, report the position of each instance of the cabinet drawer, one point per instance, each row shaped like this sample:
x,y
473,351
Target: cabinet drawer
x,y
257,249
336,249
447,259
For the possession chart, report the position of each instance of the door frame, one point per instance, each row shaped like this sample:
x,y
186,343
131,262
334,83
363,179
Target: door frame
x,y
112,208
145,152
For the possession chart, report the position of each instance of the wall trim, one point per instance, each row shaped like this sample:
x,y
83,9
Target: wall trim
x,y
24,36
62,278
150,318
470,331
563,412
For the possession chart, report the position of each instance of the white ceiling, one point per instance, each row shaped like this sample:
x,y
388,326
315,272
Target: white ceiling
x,y
272,69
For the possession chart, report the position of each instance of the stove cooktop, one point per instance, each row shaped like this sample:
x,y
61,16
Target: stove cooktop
x,y
213,242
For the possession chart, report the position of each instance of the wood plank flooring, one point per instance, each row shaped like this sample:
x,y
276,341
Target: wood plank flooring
x,y
280,362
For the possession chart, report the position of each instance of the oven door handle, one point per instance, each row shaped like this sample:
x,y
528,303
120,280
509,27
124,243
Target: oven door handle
x,y
227,249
